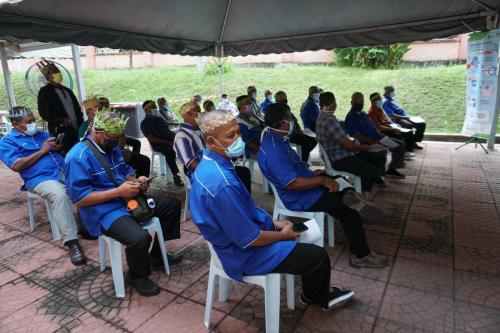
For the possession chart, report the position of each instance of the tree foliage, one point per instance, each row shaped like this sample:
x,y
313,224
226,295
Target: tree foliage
x,y
385,56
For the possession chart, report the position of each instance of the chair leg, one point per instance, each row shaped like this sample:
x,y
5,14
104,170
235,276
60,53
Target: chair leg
x,y
331,231
31,213
102,254
152,167
224,288
290,291
163,167
357,184
186,205
115,255
56,233
210,296
161,241
272,303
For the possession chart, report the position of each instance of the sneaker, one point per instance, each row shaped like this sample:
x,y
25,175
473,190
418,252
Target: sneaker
x,y
178,181
145,286
418,147
409,157
395,173
410,154
372,260
76,254
337,297
363,206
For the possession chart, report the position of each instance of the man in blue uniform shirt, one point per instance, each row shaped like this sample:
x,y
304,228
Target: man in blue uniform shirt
x,y
102,204
34,154
300,189
245,238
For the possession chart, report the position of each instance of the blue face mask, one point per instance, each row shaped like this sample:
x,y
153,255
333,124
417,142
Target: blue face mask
x,y
31,129
236,149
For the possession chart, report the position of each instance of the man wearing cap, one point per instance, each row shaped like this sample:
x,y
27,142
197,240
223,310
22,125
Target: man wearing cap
x,y
399,116
58,106
309,111
300,189
102,203
189,144
35,155
161,138
245,238
268,99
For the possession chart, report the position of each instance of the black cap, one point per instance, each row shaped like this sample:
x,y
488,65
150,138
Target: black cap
x,y
276,113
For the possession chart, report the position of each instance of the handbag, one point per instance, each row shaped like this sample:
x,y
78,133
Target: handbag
x,y
141,207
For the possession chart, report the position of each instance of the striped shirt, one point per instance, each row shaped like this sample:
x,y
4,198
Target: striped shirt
x,y
188,144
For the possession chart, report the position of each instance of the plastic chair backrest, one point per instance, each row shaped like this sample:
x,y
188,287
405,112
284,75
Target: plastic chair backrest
x,y
277,197
324,157
214,256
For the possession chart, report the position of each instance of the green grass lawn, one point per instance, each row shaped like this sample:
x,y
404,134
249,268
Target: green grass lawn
x,y
435,93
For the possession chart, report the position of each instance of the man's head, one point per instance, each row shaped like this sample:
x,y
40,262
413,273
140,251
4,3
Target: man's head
x,y
244,104
148,107
278,117
268,95
376,100
208,106
327,102
190,112
22,120
197,99
91,105
252,92
389,91
280,97
162,102
222,133
224,97
357,101
107,128
314,93
50,71
104,103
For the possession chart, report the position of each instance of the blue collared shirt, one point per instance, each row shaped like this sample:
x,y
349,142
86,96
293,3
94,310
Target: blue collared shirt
x,y
309,113
265,103
357,122
281,165
390,107
16,145
228,218
249,134
85,175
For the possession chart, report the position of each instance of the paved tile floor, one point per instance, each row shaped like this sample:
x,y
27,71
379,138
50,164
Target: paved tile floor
x,y
441,231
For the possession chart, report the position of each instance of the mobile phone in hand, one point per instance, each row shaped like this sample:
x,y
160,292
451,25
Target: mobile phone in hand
x,y
299,227
59,138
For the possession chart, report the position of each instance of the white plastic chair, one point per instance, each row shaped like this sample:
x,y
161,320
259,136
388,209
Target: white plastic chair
x,y
186,202
280,211
56,233
115,254
356,180
298,149
270,283
251,163
164,169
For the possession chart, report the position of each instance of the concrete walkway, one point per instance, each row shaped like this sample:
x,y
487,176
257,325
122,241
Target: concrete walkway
x,y
441,230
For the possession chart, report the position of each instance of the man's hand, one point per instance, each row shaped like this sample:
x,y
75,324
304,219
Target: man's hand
x,y
330,184
48,145
364,147
66,122
287,233
144,182
319,172
281,224
57,147
129,189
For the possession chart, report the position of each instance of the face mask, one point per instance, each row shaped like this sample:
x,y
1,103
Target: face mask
x,y
31,129
224,100
57,78
109,145
316,97
285,101
392,94
357,106
236,149
254,95
291,125
269,98
156,113
379,104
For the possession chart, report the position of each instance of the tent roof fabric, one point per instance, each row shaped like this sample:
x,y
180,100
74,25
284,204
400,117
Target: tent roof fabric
x,y
196,27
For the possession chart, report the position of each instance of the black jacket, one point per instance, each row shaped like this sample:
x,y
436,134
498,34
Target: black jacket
x,y
51,108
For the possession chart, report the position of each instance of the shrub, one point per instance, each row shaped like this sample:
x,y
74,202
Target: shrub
x,y
385,56
211,68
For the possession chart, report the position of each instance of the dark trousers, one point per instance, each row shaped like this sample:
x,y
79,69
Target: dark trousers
x,y
332,204
419,128
312,263
243,174
134,144
129,232
140,163
306,143
408,138
398,155
367,165
170,156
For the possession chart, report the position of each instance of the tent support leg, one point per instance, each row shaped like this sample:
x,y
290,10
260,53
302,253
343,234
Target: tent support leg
x,y
6,76
78,72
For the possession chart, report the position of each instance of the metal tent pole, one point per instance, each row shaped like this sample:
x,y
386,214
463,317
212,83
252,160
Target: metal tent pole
x,y
78,72
6,76
493,133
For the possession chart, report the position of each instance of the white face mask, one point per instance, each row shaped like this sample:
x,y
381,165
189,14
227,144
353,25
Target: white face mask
x,y
392,94
379,103
224,100
316,97
269,98
254,95
31,129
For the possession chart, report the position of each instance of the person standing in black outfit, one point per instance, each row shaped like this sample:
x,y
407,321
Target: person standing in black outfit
x,y
160,137
58,106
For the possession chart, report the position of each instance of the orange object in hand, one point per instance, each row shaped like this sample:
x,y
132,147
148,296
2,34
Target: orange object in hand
x,y
132,204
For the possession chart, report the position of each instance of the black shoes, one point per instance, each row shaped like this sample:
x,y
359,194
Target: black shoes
x,y
173,259
336,298
178,181
145,286
76,254
418,147
395,173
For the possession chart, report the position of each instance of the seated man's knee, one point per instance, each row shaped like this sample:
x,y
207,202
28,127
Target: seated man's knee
x,y
142,240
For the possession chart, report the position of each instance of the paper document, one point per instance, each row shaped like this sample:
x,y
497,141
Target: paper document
x,y
376,148
388,142
312,235
401,129
417,119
